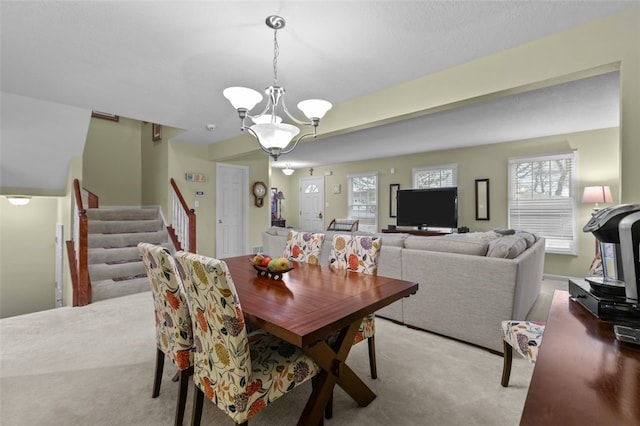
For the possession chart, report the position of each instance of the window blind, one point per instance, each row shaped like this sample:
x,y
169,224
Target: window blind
x,y
542,199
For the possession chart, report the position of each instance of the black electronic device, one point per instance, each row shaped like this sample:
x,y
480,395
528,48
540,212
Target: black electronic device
x,y
428,208
613,297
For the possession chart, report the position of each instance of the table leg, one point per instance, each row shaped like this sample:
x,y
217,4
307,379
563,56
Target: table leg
x,y
334,370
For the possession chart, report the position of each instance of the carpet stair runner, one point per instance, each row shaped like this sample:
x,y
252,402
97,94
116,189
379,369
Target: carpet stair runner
x,y
115,266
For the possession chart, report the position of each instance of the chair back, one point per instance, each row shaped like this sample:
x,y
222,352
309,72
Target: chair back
x,y
222,358
304,247
358,253
173,323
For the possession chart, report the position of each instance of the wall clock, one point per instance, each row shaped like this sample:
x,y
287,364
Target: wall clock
x,y
259,191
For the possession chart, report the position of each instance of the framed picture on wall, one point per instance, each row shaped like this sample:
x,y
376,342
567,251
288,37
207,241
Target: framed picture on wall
x,y
156,132
105,116
482,199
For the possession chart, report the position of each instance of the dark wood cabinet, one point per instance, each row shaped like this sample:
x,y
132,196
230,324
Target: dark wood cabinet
x,y
420,232
583,375
278,222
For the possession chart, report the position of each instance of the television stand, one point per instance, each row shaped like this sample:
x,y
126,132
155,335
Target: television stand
x,y
420,232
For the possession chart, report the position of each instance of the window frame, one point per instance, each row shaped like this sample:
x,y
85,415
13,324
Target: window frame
x,y
555,243
453,167
350,202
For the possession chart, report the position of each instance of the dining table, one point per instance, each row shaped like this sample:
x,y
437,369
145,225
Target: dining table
x,y
309,304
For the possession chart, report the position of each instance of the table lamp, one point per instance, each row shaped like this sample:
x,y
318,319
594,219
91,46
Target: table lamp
x,y
596,194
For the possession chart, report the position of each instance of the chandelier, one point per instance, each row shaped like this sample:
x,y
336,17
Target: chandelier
x,y
274,136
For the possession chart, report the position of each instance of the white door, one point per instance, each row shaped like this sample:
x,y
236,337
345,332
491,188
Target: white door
x,y
232,212
312,203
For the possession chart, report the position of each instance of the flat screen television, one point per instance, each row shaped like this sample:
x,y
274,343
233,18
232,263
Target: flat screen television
x,y
428,208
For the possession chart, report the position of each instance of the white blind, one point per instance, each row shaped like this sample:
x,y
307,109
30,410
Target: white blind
x,y
363,200
542,199
435,176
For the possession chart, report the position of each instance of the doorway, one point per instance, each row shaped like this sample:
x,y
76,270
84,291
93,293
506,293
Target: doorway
x,y
232,212
312,203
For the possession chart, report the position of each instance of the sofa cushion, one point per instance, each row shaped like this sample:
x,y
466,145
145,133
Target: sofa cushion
x,y
477,247
507,247
528,237
393,239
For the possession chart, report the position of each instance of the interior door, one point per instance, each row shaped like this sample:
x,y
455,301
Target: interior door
x,y
312,203
232,210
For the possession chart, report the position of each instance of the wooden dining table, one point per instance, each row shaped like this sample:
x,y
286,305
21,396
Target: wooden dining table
x,y
309,304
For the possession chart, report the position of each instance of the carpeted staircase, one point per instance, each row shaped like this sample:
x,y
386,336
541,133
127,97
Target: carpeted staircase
x,y
115,267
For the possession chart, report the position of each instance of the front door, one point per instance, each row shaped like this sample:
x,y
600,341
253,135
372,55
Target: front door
x,y
312,203
232,212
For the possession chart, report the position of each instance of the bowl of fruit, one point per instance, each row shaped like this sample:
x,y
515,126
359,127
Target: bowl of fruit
x,y
271,267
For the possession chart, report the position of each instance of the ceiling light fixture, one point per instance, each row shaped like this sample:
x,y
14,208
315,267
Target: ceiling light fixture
x,y
19,200
275,137
287,170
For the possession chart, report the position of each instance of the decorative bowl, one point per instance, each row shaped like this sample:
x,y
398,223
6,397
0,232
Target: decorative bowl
x,y
266,272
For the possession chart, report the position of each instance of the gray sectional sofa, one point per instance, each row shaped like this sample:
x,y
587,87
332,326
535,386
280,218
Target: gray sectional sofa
x,y
468,283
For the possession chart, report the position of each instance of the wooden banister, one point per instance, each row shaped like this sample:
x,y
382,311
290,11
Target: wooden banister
x,y
81,281
183,229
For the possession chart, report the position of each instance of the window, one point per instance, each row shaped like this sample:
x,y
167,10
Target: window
x,y
435,177
542,199
363,200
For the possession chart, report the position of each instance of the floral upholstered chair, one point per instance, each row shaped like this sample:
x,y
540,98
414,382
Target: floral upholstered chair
x,y
173,322
359,253
240,372
304,247
525,337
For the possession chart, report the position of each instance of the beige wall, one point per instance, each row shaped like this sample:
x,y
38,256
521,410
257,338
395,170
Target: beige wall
x,y
598,155
27,250
27,268
112,161
155,168
183,158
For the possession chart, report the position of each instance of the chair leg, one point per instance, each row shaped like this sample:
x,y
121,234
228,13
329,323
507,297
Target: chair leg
x,y
182,395
328,409
506,366
372,357
157,381
198,399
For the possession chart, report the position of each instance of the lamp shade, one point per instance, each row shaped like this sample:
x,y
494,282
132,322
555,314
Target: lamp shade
x,y
597,194
314,108
242,97
275,135
279,196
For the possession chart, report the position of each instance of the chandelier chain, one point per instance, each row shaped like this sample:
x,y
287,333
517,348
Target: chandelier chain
x,y
276,52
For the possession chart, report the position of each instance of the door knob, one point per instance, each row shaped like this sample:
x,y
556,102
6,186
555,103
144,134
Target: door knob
x,y
219,220
320,215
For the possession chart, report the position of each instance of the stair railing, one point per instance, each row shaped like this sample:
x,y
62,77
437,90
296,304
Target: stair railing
x,y
183,229
78,249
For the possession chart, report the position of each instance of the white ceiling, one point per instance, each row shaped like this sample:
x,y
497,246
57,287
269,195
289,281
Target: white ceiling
x,y
168,61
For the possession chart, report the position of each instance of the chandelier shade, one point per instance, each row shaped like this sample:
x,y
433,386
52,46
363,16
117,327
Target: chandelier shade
x,y
242,97
274,136
314,108
288,171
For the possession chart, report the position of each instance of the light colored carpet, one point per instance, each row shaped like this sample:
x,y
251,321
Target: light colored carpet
x,y
94,365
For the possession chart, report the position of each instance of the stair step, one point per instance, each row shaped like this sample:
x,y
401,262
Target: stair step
x,y
127,239
103,271
123,254
108,289
122,214
115,265
97,226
